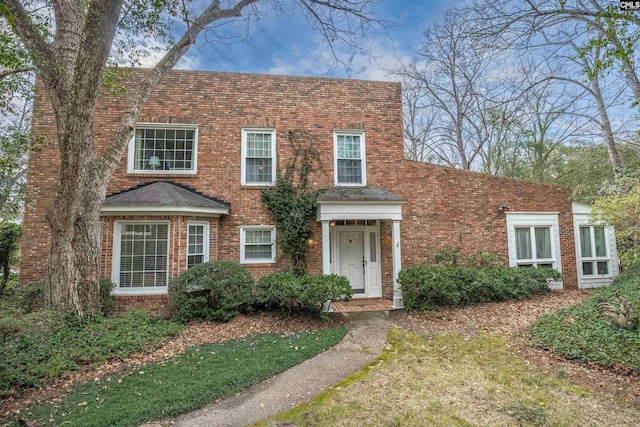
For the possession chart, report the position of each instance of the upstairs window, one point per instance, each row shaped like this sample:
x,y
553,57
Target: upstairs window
x,y
163,149
258,156
594,256
349,164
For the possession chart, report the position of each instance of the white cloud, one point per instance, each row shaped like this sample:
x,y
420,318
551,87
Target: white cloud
x,y
382,57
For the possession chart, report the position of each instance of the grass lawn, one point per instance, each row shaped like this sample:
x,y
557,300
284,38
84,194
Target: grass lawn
x,y
579,332
183,383
450,380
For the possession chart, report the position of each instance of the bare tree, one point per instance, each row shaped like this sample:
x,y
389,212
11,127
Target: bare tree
x,y
451,76
70,42
418,122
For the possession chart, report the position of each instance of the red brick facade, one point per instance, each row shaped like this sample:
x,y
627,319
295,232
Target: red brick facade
x,y
445,207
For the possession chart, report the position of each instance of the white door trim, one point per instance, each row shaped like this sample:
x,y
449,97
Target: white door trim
x,y
372,279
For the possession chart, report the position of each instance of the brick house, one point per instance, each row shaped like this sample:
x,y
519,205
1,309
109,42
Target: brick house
x,y
189,190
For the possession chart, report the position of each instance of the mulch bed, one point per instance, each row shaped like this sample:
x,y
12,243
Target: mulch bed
x,y
507,319
193,334
511,320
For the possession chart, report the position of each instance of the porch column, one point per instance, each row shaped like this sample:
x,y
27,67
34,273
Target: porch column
x,y
397,264
326,248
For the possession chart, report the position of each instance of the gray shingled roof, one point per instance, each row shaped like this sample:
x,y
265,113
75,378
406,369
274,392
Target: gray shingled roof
x,y
163,194
359,194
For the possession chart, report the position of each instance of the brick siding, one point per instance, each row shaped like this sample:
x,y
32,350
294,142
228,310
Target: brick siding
x,y
446,207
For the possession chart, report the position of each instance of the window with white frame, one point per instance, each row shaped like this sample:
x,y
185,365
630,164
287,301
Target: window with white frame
x,y
534,240
258,156
594,256
257,244
533,247
158,148
349,158
141,255
197,243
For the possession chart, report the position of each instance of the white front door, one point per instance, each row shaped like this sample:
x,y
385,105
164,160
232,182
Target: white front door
x,y
351,258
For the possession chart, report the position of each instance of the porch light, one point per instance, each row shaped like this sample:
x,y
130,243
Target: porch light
x,y
154,161
332,224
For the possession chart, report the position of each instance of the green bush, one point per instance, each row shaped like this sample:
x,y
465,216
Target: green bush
x,y
427,287
580,332
455,258
106,299
217,290
29,297
46,348
288,292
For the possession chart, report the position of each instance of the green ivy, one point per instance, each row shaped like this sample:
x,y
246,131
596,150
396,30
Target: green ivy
x,y
292,204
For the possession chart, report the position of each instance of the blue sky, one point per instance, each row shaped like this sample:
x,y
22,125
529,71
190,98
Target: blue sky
x,y
285,45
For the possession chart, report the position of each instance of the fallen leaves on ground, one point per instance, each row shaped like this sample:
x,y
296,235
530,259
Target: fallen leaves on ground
x,y
511,320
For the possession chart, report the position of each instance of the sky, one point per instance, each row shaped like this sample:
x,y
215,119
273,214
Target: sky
x,y
287,45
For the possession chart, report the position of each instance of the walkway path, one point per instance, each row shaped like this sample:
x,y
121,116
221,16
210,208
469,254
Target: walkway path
x,y
365,339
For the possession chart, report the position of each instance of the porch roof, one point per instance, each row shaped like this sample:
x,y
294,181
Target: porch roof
x,y
359,203
359,194
163,197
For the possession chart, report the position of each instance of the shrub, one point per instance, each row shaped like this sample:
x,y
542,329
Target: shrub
x,y
217,290
29,297
426,287
580,332
106,299
308,293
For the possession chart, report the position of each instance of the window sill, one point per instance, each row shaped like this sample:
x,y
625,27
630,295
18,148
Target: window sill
x,y
163,174
160,290
256,186
257,261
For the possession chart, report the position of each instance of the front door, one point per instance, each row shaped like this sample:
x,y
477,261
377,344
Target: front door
x,y
351,258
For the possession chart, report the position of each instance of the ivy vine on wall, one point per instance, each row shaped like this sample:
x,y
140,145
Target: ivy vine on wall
x,y
291,202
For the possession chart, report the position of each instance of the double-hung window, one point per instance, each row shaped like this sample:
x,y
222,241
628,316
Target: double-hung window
x,y
197,243
594,256
533,247
258,156
163,148
257,244
349,158
141,256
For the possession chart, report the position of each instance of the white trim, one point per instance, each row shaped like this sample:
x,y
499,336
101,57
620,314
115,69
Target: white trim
x,y
243,177
329,211
581,219
162,210
115,260
363,153
171,126
271,260
537,219
205,240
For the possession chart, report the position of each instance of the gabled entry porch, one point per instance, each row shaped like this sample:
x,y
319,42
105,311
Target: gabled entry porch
x,y
352,219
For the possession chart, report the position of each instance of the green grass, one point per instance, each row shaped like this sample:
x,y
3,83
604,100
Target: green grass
x,y
183,383
579,332
35,357
451,380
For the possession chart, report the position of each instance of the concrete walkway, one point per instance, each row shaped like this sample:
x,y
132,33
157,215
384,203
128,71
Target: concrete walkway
x,y
365,339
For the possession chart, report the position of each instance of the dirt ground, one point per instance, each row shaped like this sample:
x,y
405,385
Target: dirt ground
x,y
508,319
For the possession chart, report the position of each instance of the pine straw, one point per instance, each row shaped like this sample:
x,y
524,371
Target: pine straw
x,y
193,334
511,320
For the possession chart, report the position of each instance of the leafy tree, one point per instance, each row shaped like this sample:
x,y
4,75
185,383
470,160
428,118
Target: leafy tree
x,y
10,234
620,207
70,43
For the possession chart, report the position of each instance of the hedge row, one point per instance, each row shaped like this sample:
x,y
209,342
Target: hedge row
x,y
220,290
428,287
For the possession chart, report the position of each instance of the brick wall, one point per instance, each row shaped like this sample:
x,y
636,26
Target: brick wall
x,y
446,207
